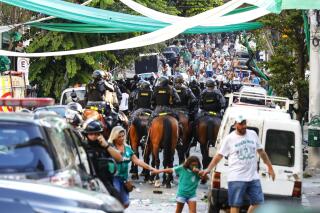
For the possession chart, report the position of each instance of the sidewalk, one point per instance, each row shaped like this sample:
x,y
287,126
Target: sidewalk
x,y
311,192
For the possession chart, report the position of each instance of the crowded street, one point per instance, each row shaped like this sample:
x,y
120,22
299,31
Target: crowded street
x,y
159,106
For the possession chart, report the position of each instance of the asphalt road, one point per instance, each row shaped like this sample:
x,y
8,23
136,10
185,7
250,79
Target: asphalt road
x,y
143,199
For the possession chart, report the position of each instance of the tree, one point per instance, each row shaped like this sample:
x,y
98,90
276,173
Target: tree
x,y
290,59
53,74
194,7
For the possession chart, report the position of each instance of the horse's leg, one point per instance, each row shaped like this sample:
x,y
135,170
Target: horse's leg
x,y
134,145
202,135
173,144
146,157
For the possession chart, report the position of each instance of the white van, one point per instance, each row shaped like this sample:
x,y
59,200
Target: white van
x,y
281,138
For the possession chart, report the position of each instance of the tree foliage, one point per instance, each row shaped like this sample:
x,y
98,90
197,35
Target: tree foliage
x,y
194,7
290,59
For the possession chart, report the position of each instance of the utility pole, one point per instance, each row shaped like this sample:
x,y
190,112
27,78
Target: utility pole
x,y
314,91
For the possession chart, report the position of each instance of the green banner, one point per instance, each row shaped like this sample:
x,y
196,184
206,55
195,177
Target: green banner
x,y
300,4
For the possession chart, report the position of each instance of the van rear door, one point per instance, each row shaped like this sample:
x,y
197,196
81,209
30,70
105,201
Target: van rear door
x,y
282,142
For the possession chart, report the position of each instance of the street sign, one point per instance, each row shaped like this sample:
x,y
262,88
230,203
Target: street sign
x,y
23,66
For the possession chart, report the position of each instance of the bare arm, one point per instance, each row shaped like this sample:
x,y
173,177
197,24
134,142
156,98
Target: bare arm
x,y
141,163
263,155
112,151
217,158
168,170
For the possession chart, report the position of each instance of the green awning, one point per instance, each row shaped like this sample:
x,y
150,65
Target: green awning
x,y
89,28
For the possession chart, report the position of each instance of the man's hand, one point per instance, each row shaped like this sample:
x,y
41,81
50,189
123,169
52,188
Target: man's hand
x,y
102,141
271,173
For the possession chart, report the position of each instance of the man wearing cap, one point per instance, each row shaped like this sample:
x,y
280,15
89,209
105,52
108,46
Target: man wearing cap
x,y
241,146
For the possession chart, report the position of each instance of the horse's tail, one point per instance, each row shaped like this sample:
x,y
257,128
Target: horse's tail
x,y
166,140
210,125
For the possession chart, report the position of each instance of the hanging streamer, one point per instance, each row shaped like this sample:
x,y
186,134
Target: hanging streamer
x,y
143,40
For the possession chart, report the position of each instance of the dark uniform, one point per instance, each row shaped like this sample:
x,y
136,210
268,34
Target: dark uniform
x,y
96,88
188,100
96,156
142,98
211,99
164,96
195,88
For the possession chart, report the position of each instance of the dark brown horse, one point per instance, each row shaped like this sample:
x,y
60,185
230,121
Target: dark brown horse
x,y
137,130
207,128
163,134
185,134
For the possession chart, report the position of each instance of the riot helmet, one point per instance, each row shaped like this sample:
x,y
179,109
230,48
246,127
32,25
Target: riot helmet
x,y
163,81
179,79
211,82
144,85
97,75
92,126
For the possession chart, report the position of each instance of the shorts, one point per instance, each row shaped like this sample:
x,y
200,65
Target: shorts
x,y
237,190
124,195
183,199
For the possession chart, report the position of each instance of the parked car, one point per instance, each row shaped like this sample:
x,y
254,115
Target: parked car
x,y
281,138
44,148
26,197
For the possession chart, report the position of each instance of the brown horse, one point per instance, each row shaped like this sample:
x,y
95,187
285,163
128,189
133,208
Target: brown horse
x,y
207,128
93,114
163,135
185,134
137,130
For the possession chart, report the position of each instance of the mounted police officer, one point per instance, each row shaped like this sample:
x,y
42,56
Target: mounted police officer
x,y
164,97
195,87
188,100
211,99
142,98
96,88
100,154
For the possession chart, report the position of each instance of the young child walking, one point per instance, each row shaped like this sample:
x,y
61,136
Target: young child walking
x,y
188,183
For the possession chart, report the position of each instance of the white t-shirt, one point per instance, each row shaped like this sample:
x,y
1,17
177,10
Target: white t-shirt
x,y
124,102
241,151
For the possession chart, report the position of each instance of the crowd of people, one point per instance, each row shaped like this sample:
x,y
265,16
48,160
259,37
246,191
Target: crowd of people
x,y
203,56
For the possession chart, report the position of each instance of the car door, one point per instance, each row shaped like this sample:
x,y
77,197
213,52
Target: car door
x,y
282,142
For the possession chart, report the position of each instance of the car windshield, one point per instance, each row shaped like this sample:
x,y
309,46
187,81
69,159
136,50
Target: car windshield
x,y
67,96
23,150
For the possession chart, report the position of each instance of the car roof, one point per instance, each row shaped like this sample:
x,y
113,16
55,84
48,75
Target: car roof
x,y
33,118
75,89
253,89
257,113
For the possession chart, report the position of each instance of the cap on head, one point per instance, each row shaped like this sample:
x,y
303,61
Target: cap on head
x,y
240,118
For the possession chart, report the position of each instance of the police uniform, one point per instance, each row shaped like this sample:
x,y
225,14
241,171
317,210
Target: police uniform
x,y
188,100
95,90
211,100
142,99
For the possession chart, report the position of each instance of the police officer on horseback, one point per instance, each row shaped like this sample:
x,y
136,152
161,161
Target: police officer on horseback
x,y
96,88
100,154
212,101
188,100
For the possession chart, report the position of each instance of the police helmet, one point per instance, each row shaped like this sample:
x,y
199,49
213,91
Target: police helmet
x,y
211,82
75,106
179,79
144,85
92,126
163,81
97,74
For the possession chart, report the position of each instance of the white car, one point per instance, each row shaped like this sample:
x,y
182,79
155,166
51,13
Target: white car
x,y
281,138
